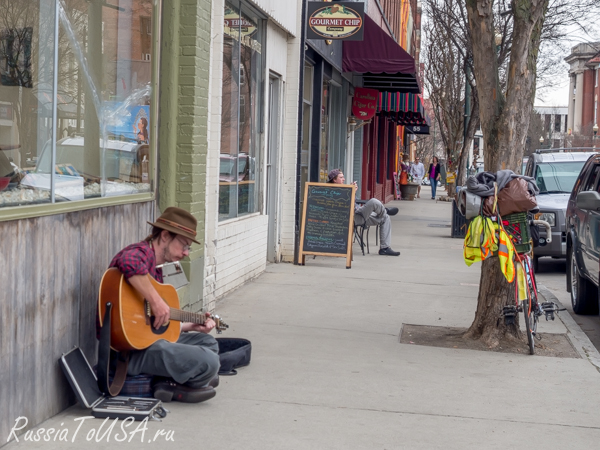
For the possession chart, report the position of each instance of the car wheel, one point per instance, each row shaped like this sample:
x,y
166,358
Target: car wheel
x,y
584,297
568,277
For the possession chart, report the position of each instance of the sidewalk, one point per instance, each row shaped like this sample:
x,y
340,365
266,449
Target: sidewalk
x,y
328,371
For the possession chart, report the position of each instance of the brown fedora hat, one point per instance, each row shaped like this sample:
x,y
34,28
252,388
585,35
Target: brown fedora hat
x,y
178,221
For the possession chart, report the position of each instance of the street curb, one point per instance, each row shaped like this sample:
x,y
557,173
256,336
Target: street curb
x,y
578,338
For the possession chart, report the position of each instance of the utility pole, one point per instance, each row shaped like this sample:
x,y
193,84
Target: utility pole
x,y
467,115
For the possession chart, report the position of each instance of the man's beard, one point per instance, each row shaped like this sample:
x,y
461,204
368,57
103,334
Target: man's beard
x,y
167,255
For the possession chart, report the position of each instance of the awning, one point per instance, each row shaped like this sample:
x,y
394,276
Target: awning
x,y
384,64
404,109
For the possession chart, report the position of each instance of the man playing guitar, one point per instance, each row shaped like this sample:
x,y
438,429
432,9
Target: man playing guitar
x,y
186,369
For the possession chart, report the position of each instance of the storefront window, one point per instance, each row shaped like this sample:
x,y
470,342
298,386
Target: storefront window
x,y
240,119
81,131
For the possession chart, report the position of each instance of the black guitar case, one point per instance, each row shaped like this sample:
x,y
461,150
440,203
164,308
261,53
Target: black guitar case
x,y
233,353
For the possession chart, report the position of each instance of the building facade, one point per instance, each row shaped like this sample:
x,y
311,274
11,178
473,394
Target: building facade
x,y
111,113
253,129
368,151
107,119
554,121
584,64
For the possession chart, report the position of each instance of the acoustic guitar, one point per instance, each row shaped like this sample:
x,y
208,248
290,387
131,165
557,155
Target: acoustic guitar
x,y
131,316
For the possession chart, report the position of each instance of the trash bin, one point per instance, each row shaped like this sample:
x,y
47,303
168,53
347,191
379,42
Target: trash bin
x,y
459,222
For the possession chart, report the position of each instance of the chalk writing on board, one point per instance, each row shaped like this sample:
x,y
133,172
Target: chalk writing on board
x,y
327,219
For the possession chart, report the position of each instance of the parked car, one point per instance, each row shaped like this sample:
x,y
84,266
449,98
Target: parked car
x,y
240,183
426,182
122,159
227,167
524,165
583,239
555,173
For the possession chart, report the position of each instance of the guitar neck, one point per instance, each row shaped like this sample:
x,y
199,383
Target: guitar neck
x,y
187,316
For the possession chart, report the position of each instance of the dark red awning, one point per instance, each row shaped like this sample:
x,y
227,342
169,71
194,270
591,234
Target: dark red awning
x,y
384,64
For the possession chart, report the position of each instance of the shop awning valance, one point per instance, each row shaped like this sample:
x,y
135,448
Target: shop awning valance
x,y
404,109
385,65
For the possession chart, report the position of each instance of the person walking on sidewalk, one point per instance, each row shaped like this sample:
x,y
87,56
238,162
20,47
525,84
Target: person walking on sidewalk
x,y
434,175
417,170
188,368
371,213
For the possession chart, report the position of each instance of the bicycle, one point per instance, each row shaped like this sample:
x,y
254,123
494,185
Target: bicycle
x,y
530,307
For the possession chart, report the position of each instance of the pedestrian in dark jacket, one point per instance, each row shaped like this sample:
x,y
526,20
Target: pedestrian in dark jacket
x,y
434,175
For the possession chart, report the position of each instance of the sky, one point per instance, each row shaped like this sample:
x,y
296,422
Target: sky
x,y
559,95
556,96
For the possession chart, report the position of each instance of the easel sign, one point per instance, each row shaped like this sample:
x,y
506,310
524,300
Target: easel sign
x,y
327,219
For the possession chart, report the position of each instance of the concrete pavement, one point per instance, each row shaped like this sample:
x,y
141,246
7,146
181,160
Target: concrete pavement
x,y
328,371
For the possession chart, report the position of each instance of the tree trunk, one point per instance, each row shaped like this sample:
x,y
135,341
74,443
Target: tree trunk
x,y
504,122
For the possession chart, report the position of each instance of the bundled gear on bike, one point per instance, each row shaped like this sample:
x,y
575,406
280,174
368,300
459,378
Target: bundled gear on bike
x,y
491,200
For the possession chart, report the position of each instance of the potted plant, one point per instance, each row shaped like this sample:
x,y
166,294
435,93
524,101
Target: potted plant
x,y
410,189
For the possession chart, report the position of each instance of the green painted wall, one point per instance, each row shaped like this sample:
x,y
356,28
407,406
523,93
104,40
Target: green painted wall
x,y
183,140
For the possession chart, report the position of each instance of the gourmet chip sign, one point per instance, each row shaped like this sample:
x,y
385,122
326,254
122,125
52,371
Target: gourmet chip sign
x,y
339,20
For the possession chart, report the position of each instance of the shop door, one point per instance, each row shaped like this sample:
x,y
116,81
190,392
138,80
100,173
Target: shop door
x,y
272,179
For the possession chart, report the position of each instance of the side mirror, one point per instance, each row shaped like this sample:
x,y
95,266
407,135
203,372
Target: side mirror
x,y
588,200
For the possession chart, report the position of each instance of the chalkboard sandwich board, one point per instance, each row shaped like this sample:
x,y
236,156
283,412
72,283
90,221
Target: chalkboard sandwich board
x,y
327,219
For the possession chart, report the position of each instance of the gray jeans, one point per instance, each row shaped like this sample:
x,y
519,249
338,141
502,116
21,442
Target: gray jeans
x,y
194,357
373,213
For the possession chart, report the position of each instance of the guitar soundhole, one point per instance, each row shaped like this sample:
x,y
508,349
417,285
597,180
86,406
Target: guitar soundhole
x,y
161,330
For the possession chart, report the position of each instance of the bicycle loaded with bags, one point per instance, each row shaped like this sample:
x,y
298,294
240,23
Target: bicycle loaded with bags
x,y
503,224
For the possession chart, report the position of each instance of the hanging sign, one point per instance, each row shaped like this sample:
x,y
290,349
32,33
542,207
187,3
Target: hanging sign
x,y
417,129
236,24
339,20
364,103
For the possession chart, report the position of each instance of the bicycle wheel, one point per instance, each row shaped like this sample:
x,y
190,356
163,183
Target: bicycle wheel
x,y
529,326
533,297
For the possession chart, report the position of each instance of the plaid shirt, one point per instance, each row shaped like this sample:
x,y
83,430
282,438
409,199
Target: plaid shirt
x,y
137,259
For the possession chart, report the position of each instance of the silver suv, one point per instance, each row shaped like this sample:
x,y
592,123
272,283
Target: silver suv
x,y
555,172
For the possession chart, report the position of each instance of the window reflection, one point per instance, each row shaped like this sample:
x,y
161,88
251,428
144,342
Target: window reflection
x,y
102,102
242,77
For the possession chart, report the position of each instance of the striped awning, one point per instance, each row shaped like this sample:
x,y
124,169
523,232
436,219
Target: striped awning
x,y
402,108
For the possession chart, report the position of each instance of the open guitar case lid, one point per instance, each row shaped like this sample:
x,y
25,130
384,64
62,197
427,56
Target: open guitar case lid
x,y
84,383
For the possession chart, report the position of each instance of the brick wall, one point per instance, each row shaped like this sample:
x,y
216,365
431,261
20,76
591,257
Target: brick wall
x,y
184,83
214,144
290,145
236,249
240,252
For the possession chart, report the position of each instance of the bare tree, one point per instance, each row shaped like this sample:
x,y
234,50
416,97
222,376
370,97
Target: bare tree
x,y
450,81
534,132
506,97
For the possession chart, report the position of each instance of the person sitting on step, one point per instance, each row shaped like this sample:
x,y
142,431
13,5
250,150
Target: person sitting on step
x,y
371,213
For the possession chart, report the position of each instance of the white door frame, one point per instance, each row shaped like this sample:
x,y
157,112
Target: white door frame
x,y
274,145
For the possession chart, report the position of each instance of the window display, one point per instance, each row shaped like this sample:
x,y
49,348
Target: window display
x,y
82,130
